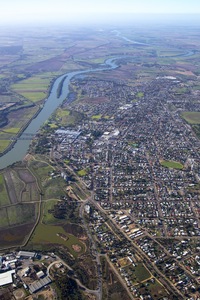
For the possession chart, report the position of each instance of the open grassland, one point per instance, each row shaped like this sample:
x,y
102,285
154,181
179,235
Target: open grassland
x,y
51,187
33,96
140,95
4,221
196,129
171,164
17,215
34,88
15,235
21,186
42,170
82,172
4,144
48,217
30,193
138,273
5,141
21,213
64,117
25,175
96,117
54,188
156,290
60,117
16,120
191,117
15,183
12,130
48,234
61,113
4,199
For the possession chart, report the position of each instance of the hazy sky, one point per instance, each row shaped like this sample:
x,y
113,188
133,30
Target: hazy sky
x,y
43,10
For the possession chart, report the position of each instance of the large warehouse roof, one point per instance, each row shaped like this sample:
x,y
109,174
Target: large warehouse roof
x,y
26,254
37,285
6,277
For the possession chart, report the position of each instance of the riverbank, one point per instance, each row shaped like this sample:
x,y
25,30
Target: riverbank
x,y
18,135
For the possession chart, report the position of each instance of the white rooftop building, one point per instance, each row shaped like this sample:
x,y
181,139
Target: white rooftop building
x,y
6,277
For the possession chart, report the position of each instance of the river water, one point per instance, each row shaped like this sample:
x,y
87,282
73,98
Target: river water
x,y
21,146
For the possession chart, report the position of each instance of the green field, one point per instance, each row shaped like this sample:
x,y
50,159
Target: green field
x,y
33,96
191,117
17,215
17,119
12,130
141,273
48,234
17,184
82,172
4,144
5,138
138,273
140,95
54,188
60,113
64,117
42,170
171,164
96,117
156,290
4,199
4,221
34,88
48,218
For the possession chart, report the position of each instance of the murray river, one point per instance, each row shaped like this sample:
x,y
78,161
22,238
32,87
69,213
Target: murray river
x,y
20,148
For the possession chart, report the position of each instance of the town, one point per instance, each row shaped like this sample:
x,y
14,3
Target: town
x,y
140,159
105,203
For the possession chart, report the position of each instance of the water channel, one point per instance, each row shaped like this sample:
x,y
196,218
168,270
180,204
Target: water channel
x,y
20,148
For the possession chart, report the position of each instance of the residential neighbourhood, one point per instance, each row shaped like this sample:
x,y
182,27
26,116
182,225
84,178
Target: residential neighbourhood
x,y
141,161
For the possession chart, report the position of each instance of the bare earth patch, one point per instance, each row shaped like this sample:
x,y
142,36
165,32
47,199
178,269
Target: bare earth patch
x,y
76,248
63,236
83,238
19,294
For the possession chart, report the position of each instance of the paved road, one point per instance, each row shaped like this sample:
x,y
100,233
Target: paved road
x,y
93,249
